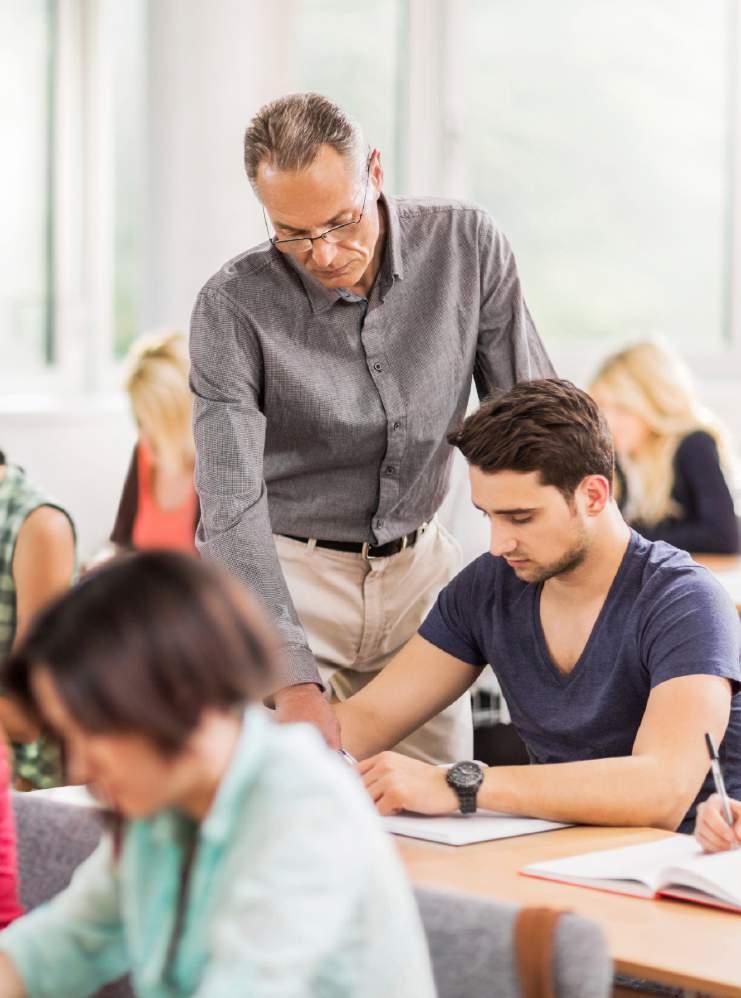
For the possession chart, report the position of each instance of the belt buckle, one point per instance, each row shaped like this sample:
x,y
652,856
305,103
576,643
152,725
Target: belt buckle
x,y
365,552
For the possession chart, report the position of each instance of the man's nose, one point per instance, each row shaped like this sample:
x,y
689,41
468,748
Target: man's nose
x,y
501,541
323,252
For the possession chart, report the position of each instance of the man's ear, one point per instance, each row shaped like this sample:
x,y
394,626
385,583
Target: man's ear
x,y
596,493
376,170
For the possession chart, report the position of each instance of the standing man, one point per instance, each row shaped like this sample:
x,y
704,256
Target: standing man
x,y
328,365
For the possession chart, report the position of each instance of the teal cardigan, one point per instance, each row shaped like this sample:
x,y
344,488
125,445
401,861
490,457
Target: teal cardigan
x,y
295,891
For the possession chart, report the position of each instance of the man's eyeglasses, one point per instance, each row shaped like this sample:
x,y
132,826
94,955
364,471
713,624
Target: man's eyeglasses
x,y
335,234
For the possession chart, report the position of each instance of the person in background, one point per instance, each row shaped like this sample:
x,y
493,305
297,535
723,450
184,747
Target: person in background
x,y
159,507
10,906
244,857
674,461
37,562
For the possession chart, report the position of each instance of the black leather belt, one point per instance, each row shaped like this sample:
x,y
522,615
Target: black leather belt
x,y
368,551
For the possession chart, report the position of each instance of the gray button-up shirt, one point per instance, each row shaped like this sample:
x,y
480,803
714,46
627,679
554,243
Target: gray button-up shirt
x,y
321,415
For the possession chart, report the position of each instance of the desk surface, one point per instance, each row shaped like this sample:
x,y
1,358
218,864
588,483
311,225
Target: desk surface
x,y
687,945
727,569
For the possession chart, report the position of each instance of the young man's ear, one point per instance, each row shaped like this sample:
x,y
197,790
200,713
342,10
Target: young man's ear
x,y
597,493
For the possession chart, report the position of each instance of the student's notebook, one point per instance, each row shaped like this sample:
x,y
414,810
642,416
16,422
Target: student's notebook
x,y
461,829
673,867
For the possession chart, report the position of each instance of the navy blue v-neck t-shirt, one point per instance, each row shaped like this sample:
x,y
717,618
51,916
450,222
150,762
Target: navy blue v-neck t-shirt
x,y
664,616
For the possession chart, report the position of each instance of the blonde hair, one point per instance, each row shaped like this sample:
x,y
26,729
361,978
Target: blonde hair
x,y
157,384
653,382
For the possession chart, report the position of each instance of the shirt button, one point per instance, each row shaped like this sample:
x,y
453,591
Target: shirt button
x,y
377,367
379,524
390,469
396,426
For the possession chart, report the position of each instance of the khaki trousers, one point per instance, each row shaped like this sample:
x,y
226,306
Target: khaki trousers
x,y
359,613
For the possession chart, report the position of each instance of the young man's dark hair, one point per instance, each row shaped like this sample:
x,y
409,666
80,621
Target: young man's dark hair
x,y
550,426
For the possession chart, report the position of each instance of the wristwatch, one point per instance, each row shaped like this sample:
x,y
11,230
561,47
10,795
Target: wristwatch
x,y
465,778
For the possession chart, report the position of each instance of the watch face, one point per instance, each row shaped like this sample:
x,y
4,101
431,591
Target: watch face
x,y
466,774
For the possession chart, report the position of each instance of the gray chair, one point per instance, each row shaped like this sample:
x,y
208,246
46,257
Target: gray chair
x,y
470,939
471,945
53,839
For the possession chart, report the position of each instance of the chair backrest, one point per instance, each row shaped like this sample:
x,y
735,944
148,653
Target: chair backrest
x,y
53,839
471,943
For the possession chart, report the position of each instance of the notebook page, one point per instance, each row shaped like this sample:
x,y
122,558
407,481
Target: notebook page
x,y
643,864
459,829
718,875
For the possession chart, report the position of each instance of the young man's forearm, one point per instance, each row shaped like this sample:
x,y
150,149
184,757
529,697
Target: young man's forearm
x,y
362,733
634,790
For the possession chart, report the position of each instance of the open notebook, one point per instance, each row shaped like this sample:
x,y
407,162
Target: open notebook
x,y
672,867
461,830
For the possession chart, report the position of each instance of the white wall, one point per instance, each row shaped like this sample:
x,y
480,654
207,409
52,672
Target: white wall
x,y
78,453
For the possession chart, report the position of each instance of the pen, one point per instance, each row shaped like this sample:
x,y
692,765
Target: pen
x,y
719,784
349,759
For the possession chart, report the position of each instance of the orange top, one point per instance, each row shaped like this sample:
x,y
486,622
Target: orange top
x,y
155,527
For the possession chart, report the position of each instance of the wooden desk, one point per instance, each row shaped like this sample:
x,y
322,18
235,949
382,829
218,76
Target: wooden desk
x,y
727,569
685,945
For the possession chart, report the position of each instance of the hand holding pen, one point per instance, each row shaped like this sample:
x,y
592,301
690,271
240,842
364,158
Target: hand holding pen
x,y
718,824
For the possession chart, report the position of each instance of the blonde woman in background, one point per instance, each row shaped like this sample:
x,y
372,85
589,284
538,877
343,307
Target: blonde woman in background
x,y
159,506
673,458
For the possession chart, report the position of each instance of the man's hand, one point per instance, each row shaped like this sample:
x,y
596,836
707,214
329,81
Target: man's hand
x,y
306,702
397,783
712,830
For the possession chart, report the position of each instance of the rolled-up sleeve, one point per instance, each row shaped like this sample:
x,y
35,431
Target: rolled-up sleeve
x,y
229,430
509,348
75,943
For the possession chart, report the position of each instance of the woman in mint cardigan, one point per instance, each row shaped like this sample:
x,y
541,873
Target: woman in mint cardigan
x,y
244,857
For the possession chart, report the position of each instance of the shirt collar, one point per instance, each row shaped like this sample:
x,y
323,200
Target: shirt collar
x,y
322,299
393,263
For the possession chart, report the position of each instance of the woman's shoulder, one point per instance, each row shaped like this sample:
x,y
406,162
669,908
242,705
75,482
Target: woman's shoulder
x,y
696,443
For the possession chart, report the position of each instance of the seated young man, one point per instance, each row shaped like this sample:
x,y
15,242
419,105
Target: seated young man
x,y
615,654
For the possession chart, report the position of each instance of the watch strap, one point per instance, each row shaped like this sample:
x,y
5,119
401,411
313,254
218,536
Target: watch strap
x,y
466,799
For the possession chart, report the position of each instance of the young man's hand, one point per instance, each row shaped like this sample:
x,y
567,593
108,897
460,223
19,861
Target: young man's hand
x,y
712,830
397,783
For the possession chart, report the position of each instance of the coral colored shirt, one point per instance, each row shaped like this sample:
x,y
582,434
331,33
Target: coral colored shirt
x,y
155,527
10,907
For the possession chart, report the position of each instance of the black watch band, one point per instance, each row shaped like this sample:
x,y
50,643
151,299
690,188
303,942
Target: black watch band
x,y
466,800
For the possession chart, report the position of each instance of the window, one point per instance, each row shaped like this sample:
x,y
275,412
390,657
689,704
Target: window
x,y
128,26
27,57
598,134
350,53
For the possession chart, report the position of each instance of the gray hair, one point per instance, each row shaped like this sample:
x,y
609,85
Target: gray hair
x,y
289,131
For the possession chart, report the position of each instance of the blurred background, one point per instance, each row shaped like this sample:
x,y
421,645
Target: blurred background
x,y
602,136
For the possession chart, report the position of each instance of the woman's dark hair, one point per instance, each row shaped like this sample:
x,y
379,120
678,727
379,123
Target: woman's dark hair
x,y
549,426
144,644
